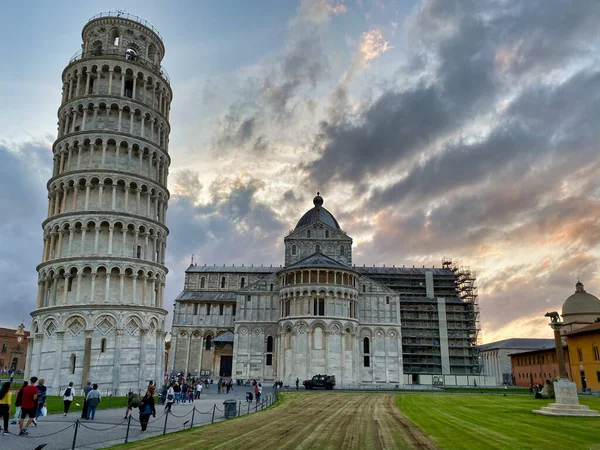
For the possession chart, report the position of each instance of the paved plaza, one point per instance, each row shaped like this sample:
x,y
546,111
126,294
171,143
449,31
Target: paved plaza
x,y
109,428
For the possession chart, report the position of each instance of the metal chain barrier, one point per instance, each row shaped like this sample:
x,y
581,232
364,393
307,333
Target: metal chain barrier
x,y
51,434
102,429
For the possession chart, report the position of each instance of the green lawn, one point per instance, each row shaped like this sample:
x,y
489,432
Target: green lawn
x,y
55,405
480,390
497,422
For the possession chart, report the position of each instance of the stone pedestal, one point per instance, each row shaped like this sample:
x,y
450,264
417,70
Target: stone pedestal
x,y
567,403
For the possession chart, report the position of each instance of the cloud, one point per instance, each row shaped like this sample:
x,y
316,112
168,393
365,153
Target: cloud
x,y
24,170
370,46
320,11
232,227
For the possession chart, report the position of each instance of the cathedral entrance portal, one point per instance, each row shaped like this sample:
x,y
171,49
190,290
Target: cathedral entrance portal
x,y
225,366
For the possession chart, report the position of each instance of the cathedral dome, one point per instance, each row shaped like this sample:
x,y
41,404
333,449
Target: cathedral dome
x,y
318,214
581,302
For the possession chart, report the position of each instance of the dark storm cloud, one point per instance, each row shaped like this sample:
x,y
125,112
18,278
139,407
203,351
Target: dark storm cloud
x,y
467,56
541,122
229,225
233,227
23,176
400,123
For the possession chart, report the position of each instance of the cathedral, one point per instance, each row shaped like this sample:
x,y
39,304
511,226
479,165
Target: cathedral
x,y
321,314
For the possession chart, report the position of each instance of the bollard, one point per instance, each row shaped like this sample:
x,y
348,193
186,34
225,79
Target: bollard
x,y
128,425
166,417
248,407
75,434
256,407
193,414
239,409
213,416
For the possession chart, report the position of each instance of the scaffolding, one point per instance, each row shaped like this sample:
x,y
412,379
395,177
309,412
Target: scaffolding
x,y
466,288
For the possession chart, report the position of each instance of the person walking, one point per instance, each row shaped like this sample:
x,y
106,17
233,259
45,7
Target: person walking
x,y
18,402
132,402
28,405
297,383
93,399
146,409
170,398
198,390
86,391
5,402
68,398
41,399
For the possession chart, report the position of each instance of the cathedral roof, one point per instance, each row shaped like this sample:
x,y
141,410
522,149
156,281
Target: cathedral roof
x,y
233,269
318,214
317,261
207,296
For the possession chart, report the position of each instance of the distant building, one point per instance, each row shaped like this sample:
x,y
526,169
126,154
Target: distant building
x,y
580,309
495,356
319,313
537,366
584,353
13,352
581,340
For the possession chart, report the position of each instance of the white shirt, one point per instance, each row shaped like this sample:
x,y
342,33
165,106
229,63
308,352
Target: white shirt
x,y
199,387
69,397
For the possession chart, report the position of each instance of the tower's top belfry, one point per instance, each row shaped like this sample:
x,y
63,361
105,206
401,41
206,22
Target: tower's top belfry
x,y
119,34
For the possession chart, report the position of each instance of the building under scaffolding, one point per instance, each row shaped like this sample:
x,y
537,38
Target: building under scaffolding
x,y
320,313
439,314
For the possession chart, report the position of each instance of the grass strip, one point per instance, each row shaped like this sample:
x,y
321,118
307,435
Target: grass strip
x,y
497,422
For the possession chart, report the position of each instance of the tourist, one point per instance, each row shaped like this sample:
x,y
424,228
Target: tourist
x,y
18,401
28,405
152,387
259,392
184,389
177,390
86,391
170,399
146,409
228,386
249,397
297,383
219,387
191,393
198,390
256,393
133,401
5,402
41,400
163,393
68,398
93,399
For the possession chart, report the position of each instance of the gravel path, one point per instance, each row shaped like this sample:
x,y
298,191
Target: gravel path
x,y
310,420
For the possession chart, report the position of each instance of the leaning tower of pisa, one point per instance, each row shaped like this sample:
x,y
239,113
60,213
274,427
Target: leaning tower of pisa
x,y
100,308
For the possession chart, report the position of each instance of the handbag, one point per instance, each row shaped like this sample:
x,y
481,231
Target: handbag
x,y
44,411
170,397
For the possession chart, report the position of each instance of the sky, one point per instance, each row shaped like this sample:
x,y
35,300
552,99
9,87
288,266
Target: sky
x,y
435,128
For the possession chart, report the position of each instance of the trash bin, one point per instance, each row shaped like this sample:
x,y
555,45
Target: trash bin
x,y
230,408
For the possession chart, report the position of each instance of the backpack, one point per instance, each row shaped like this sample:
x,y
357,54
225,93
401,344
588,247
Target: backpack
x,y
135,402
67,392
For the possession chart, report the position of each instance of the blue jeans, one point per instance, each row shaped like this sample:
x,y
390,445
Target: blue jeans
x,y
91,412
